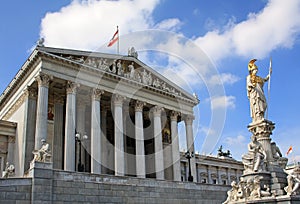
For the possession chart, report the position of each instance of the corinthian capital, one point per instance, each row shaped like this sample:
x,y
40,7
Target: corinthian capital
x,y
43,80
72,87
96,94
30,92
188,119
118,99
174,115
157,110
138,106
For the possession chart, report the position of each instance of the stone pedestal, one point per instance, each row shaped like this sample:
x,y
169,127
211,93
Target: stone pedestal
x,y
264,178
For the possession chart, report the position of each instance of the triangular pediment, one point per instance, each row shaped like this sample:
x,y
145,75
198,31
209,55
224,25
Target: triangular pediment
x,y
125,67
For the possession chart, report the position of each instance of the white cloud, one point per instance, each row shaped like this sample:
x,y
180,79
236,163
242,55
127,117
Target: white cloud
x,y
172,24
223,78
88,24
239,140
277,25
222,102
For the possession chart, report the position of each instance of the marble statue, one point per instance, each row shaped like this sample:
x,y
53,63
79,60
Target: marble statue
x,y
9,170
132,52
232,194
43,154
131,70
114,70
120,71
254,159
255,93
293,179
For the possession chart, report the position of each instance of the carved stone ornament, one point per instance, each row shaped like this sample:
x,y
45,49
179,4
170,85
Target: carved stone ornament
x,y
118,99
188,119
71,87
174,115
96,94
138,106
157,110
43,80
30,92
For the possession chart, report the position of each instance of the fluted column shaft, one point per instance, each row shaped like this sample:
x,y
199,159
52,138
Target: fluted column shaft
x,y
58,133
158,147
96,132
42,110
190,143
104,142
69,162
139,142
175,147
119,139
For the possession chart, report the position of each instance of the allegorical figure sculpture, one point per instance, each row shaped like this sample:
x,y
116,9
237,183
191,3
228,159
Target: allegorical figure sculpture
x,y
254,159
293,178
43,154
9,170
255,93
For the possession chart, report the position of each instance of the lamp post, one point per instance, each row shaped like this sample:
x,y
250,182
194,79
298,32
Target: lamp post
x,y
189,155
79,138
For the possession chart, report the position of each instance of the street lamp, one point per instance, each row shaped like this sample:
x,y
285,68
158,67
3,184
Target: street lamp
x,y
79,138
189,155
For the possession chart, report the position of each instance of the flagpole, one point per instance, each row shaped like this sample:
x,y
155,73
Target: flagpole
x,y
118,46
269,87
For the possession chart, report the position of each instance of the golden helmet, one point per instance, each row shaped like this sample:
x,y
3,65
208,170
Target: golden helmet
x,y
252,65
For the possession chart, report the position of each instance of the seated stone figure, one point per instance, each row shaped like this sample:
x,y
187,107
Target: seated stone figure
x,y
254,159
43,154
9,170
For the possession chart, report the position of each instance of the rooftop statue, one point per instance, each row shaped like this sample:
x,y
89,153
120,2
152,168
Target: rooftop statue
x,y
255,93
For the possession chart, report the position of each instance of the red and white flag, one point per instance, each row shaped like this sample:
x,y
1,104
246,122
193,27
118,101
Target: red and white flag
x,y
114,39
289,150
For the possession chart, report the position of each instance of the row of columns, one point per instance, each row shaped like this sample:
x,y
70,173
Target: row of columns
x,y
96,141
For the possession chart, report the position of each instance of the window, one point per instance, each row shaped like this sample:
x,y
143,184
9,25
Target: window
x,y
203,180
214,181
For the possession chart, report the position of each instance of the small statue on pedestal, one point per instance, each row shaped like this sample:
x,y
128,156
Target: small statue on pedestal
x,y
9,170
43,154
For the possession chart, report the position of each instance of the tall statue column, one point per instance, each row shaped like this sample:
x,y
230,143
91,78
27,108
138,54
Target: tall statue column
x,y
139,140
119,139
69,162
188,119
42,110
158,147
175,146
96,132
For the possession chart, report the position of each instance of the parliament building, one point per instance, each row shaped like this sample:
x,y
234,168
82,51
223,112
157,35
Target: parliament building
x,y
107,119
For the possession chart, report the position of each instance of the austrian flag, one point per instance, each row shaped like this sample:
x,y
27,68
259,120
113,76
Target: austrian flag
x,y
114,39
289,150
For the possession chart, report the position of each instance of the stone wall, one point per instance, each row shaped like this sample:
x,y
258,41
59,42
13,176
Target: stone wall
x,y
15,190
57,186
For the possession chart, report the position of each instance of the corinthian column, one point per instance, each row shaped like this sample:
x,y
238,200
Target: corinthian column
x,y
69,162
42,110
119,139
96,132
175,146
139,141
190,142
158,148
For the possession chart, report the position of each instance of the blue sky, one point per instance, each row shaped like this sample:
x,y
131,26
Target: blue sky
x,y
226,33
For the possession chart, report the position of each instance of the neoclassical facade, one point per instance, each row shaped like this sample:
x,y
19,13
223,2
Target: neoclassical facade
x,y
100,113
213,169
